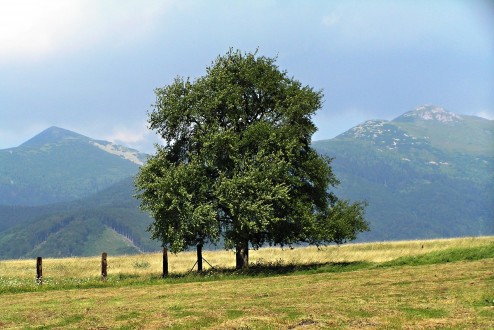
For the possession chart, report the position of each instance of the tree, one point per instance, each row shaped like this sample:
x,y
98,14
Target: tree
x,y
237,162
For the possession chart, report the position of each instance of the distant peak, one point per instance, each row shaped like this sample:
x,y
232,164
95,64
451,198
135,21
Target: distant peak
x,y
53,134
430,113
54,130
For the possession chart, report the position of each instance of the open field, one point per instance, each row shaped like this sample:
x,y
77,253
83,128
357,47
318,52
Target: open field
x,y
145,265
417,284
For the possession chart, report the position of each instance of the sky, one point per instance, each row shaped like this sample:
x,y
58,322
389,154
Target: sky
x,y
91,66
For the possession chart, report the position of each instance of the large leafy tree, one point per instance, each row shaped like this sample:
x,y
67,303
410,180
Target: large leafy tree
x,y
237,162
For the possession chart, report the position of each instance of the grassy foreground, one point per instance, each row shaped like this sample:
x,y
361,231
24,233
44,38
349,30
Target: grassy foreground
x,y
417,284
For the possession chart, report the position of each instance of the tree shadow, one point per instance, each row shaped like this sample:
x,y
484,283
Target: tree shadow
x,y
281,268
263,268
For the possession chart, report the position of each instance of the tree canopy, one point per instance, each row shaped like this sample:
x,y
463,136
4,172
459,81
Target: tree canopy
x,y
237,162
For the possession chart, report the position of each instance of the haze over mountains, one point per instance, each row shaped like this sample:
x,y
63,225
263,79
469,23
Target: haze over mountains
x,y
428,173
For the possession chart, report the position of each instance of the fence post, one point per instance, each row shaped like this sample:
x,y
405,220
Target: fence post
x,y
165,262
39,270
104,265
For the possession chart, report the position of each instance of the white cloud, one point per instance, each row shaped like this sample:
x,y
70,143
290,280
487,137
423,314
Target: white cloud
x,y
33,29
129,135
485,114
138,137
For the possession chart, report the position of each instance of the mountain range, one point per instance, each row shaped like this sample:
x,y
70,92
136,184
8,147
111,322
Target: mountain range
x,y
428,173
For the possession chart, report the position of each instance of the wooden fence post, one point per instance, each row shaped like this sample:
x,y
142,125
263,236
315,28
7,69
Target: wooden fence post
x,y
39,270
165,262
104,265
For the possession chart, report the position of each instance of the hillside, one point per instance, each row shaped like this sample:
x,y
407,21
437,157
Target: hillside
x,y
59,165
107,221
65,194
428,173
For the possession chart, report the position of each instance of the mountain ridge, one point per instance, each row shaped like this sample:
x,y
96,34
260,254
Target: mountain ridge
x,y
428,126
56,135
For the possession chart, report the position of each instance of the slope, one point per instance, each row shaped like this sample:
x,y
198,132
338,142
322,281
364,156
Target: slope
x,y
107,221
428,173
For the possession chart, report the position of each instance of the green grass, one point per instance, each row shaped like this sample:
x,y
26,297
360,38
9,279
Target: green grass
x,y
424,313
444,256
127,316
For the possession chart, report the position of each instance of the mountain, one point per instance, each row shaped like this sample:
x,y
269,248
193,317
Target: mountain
x,y
65,194
59,165
428,173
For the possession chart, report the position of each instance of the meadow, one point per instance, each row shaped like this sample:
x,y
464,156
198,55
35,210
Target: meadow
x,y
445,283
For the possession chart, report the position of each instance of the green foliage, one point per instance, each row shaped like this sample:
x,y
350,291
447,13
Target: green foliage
x,y
238,163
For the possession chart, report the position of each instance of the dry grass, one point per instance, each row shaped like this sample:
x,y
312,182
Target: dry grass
x,y
148,264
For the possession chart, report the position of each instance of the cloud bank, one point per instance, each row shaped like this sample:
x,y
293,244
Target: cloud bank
x,y
32,30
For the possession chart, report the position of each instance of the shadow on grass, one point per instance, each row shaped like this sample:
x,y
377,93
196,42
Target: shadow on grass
x,y
266,269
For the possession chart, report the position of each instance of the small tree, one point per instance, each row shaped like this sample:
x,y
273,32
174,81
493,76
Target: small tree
x,y
237,163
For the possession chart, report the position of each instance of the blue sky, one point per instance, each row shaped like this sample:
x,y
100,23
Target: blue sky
x,y
91,66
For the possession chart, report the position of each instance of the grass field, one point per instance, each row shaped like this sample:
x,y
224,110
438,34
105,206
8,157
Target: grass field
x,y
415,284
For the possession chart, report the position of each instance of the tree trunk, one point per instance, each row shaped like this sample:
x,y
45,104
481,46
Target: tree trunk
x,y
242,255
165,262
199,258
